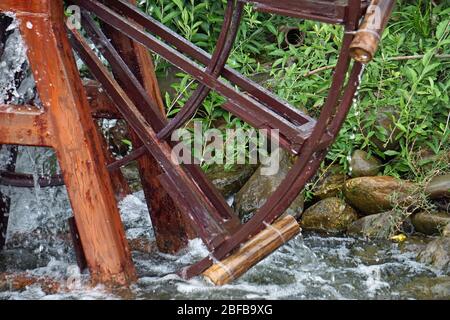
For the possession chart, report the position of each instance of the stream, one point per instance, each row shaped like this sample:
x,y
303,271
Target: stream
x,y
310,266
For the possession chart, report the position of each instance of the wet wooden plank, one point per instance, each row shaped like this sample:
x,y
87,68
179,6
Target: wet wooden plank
x,y
24,125
34,6
77,146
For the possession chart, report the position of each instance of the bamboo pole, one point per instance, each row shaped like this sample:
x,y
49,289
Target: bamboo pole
x,y
367,38
256,249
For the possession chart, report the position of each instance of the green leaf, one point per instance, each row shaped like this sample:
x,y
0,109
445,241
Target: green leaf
x,y
179,4
391,153
401,127
441,28
170,16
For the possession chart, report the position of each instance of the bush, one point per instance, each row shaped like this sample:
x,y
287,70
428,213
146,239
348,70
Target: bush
x,y
409,74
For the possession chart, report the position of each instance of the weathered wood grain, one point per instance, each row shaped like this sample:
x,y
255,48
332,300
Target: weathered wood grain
x,y
75,140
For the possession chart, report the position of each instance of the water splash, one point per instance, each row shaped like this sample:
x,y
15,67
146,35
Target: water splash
x,y
17,85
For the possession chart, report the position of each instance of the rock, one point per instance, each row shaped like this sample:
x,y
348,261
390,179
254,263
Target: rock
x,y
228,182
363,165
427,288
373,195
143,244
437,254
330,183
439,187
331,215
385,119
260,187
131,174
425,158
380,225
430,223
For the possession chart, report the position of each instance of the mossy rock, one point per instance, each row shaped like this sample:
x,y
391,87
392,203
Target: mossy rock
x,y
330,215
260,187
330,183
228,182
385,119
371,195
379,226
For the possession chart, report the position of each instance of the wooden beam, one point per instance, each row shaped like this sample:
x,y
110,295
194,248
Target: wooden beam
x,y
171,231
101,105
256,249
24,125
77,146
34,6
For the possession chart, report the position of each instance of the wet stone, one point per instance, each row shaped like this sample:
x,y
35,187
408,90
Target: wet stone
x,y
381,226
228,182
330,183
363,165
430,223
385,120
372,195
437,254
260,187
427,288
439,187
330,215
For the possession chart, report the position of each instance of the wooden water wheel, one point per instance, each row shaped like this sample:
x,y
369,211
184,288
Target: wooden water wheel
x,y
182,201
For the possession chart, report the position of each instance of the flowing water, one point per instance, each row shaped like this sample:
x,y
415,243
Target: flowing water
x,y
308,267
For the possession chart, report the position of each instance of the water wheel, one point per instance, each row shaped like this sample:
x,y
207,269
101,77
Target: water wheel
x,y
198,207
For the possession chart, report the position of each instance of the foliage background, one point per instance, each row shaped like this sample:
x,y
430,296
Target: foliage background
x,y
417,88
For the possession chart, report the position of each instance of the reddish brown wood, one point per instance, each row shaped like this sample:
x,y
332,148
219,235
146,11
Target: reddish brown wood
x,y
24,125
197,206
65,123
171,230
119,183
78,247
101,105
26,6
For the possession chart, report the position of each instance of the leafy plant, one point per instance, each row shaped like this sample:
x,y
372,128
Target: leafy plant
x,y
410,75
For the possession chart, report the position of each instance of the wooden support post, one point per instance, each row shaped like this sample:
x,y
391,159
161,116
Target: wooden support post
x,y
256,249
75,139
78,247
171,231
101,105
120,184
